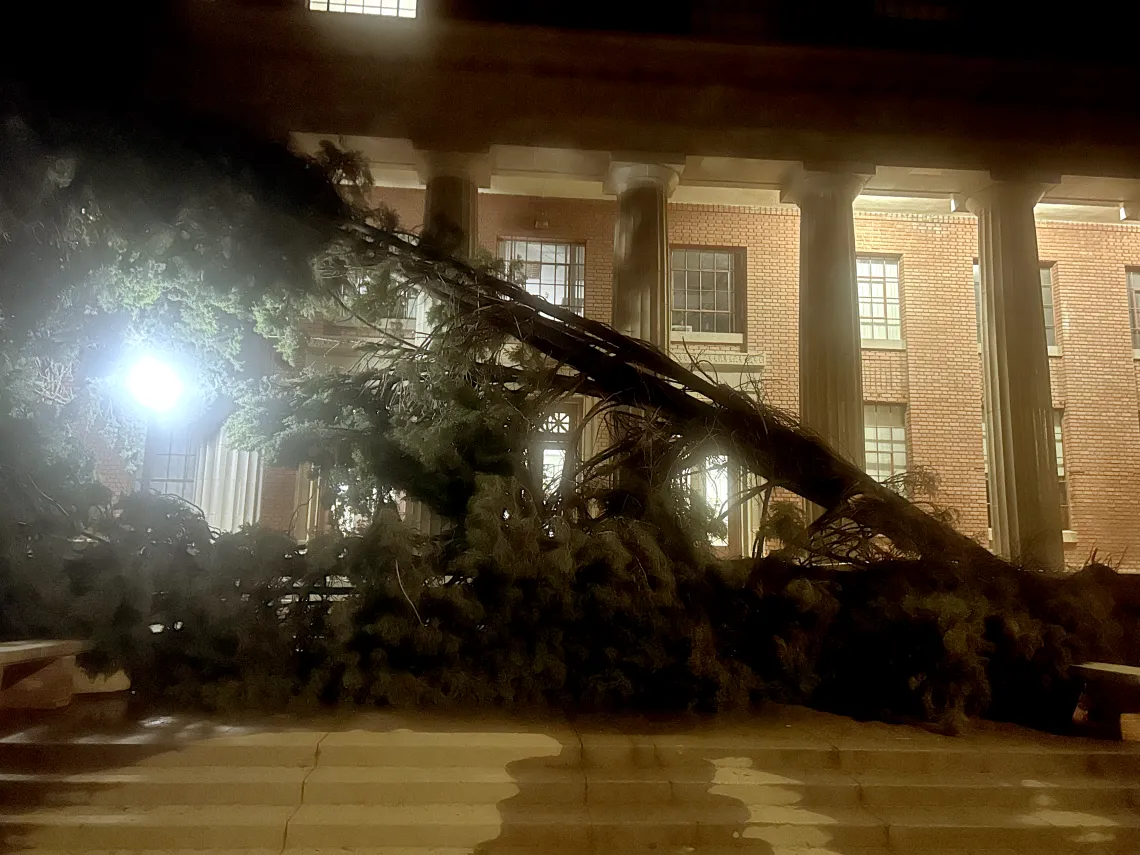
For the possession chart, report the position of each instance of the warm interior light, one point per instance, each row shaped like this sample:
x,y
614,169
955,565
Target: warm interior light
x,y
155,384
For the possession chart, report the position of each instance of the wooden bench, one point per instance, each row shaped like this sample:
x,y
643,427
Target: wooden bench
x,y
38,674
1110,691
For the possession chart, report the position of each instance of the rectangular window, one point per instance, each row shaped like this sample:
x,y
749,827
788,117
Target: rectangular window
x,y
388,8
171,462
884,446
1047,305
704,290
986,467
880,315
554,271
555,446
1062,481
978,299
709,482
1134,306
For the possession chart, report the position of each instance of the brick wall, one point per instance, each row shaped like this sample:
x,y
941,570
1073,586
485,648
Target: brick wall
x,y
278,488
572,220
943,374
938,374
1096,381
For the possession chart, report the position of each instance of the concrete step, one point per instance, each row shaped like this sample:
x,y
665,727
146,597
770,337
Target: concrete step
x,y
89,828
450,748
386,785
620,829
96,752
147,787
404,748
613,828
922,830
946,758
1000,792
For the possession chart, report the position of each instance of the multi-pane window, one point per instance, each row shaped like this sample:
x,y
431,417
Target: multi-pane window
x,y
884,444
388,8
1134,306
986,465
978,299
554,447
554,271
704,290
171,462
1046,304
1062,481
708,482
880,315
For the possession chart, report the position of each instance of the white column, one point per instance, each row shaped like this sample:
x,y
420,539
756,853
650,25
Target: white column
x,y
1025,500
641,249
227,485
831,369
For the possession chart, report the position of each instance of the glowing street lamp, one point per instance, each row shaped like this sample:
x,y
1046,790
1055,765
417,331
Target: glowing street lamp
x,y
155,384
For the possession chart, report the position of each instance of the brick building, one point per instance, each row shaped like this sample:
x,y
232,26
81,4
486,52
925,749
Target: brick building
x,y
931,374
894,218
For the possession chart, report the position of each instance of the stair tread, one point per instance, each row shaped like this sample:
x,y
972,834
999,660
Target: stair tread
x,y
968,817
381,814
664,814
570,774
174,814
164,774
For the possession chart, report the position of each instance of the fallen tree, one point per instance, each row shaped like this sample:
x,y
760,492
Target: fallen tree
x,y
597,361
585,598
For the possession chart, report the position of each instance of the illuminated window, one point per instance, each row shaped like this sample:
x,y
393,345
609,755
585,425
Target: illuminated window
x,y
1062,481
978,299
709,482
880,313
704,290
986,466
555,446
1134,305
388,8
884,445
171,462
1047,305
554,271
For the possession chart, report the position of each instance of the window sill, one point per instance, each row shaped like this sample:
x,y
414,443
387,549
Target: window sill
x,y
883,344
1135,353
1054,350
1067,536
707,337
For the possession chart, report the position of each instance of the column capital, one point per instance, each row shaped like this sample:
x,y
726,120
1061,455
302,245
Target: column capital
x,y
473,166
844,181
626,174
1006,192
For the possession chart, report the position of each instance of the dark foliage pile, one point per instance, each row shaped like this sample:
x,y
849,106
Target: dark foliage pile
x,y
530,612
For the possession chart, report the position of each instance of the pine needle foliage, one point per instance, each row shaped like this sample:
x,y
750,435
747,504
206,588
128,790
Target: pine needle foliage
x,y
599,593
